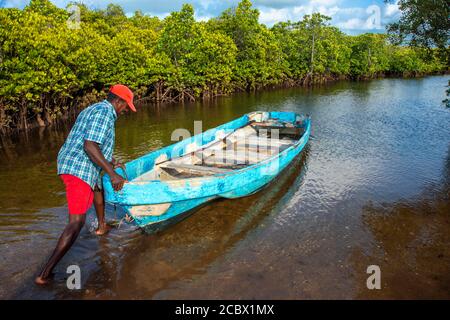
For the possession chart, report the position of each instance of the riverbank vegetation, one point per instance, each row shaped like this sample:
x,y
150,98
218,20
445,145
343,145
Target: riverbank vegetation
x,y
52,65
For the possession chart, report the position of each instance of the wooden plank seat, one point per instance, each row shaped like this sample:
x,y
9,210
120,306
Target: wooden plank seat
x,y
257,149
283,129
254,148
253,143
235,157
194,168
263,142
272,124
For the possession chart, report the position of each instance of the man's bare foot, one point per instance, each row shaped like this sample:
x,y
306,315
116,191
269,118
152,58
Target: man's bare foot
x,y
103,229
42,281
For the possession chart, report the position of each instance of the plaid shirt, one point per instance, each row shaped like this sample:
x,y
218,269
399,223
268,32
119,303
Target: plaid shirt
x,y
95,123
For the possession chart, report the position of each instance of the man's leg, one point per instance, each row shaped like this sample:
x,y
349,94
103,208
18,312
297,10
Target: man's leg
x,y
99,204
67,238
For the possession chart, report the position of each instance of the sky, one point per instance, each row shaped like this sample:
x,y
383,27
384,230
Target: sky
x,y
351,16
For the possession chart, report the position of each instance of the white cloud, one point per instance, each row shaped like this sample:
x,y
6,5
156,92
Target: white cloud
x,y
323,2
368,18
392,9
354,23
270,15
279,4
347,15
202,18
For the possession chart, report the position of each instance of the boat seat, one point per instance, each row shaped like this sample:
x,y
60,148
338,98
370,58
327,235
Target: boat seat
x,y
257,149
196,168
235,157
262,142
282,130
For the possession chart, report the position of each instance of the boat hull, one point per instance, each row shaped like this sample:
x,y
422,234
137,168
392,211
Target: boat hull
x,y
165,202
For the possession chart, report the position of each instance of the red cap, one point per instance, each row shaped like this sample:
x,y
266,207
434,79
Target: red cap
x,y
125,93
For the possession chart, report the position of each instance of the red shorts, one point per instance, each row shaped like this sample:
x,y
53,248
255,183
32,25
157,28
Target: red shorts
x,y
79,194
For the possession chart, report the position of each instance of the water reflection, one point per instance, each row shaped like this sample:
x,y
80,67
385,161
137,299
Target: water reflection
x,y
411,244
186,249
371,188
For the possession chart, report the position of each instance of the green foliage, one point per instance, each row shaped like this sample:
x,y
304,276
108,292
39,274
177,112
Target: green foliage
x,y
49,69
312,47
35,67
423,23
413,61
200,59
370,55
259,59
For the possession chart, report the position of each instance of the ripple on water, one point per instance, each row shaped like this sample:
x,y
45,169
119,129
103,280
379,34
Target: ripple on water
x,y
370,188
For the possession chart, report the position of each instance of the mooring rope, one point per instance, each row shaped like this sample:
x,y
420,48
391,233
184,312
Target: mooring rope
x,y
127,218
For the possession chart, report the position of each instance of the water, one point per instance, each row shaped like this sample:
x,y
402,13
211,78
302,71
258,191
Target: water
x,y
371,188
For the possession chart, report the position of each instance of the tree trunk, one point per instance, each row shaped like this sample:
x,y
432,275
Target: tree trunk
x,y
39,120
312,53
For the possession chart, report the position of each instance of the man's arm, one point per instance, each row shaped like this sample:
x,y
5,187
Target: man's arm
x,y
95,154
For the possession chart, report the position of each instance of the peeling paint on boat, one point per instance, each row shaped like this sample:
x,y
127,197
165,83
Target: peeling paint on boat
x,y
163,157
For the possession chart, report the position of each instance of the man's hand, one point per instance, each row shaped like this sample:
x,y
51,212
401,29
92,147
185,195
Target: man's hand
x,y
117,181
95,154
116,164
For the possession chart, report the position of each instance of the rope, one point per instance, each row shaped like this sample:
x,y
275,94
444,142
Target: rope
x,y
127,218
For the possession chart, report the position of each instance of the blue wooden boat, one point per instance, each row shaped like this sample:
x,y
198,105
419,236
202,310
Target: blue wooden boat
x,y
233,160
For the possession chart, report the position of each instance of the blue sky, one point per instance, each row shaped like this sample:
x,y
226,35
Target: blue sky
x,y
351,16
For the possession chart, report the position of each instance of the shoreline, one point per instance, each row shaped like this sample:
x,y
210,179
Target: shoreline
x,y
79,103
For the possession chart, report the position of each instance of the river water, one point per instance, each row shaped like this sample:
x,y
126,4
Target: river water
x,y
371,188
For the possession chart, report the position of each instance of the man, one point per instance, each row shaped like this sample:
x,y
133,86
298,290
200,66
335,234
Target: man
x,y
87,150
